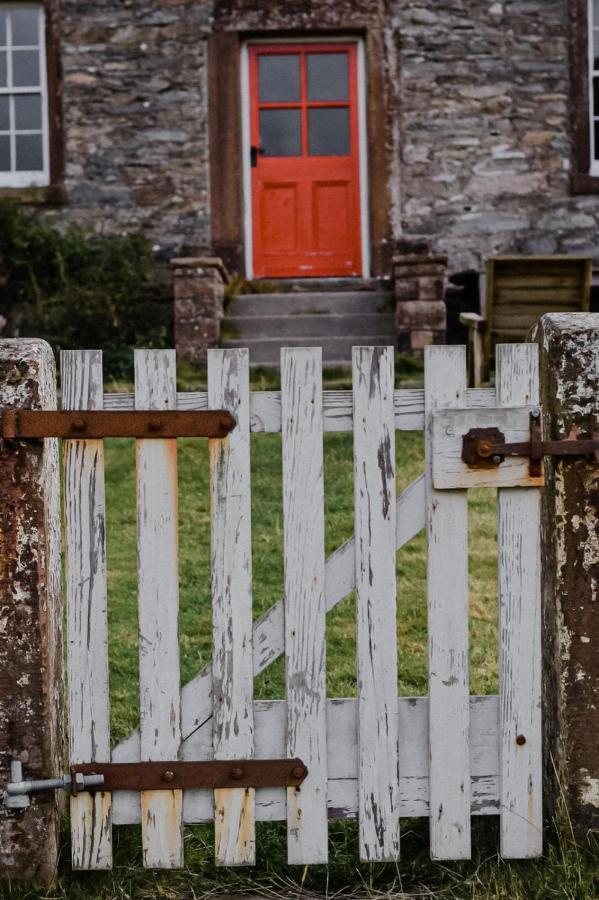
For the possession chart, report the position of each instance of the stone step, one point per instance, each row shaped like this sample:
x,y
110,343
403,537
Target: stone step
x,y
317,285
310,303
325,325
336,351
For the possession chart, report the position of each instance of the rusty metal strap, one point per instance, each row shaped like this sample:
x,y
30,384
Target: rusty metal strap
x,y
176,775
79,425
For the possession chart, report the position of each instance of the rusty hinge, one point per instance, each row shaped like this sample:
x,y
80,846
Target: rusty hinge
x,y
16,424
486,448
159,776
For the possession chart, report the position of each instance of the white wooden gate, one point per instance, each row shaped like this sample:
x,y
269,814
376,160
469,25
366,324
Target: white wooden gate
x,y
378,757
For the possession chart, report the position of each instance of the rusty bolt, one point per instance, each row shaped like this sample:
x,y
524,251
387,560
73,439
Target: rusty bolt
x,y
496,459
484,448
168,776
78,424
520,740
237,773
298,771
154,425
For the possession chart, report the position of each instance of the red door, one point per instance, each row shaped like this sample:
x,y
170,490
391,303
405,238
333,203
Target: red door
x,y
305,160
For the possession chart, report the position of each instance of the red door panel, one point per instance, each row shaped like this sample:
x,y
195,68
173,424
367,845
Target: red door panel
x,y
305,160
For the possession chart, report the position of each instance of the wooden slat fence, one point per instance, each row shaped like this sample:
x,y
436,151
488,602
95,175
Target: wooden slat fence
x,y
380,757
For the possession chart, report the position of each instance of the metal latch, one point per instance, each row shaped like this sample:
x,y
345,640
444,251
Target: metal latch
x,y
17,424
486,448
158,776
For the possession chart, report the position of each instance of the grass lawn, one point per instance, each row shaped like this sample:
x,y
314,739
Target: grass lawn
x,y
568,871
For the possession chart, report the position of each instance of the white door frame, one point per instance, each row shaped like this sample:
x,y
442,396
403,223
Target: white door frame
x,y
362,143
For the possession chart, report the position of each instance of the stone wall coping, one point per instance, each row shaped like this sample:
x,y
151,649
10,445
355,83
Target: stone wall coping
x,y
201,262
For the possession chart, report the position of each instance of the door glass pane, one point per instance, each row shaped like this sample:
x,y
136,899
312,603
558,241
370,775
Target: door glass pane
x,y
29,153
327,76
328,131
25,68
28,112
280,132
279,78
2,29
4,153
4,114
2,68
24,27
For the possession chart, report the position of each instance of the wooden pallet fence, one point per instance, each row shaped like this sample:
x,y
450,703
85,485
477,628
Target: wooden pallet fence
x,y
379,757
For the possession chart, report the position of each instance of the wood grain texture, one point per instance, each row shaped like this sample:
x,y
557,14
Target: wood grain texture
x,y
305,609
270,740
269,644
376,602
159,680
447,592
232,660
449,427
519,547
87,625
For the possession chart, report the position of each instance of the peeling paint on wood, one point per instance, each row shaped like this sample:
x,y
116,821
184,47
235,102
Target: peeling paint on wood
x,y
158,586
232,660
87,622
376,605
447,591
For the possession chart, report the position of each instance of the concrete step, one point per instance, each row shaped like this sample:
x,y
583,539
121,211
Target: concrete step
x,y
336,351
309,303
310,326
317,285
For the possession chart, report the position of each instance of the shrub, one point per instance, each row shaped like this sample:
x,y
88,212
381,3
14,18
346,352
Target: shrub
x,y
81,290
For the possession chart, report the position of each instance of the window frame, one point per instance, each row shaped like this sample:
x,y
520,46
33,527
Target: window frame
x,y
52,191
584,171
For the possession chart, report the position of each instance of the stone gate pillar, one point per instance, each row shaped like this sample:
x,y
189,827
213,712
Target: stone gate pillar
x,y
569,356
199,287
31,686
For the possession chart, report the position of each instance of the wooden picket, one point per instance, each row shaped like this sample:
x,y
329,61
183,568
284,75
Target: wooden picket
x,y
378,758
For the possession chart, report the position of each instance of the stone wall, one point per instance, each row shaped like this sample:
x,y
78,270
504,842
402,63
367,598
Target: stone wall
x,y
480,155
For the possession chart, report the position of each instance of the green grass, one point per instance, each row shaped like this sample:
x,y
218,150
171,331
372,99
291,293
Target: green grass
x,y
568,871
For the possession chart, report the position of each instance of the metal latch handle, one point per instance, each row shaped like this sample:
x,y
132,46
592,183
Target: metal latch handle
x,y
16,793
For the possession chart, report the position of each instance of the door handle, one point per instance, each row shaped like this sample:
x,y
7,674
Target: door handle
x,y
254,151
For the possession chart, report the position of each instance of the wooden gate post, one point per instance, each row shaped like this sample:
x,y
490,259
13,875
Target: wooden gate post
x,y
569,355
31,687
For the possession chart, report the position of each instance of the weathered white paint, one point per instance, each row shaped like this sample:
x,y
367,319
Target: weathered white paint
x,y
305,609
447,591
270,740
519,547
449,427
376,601
269,642
265,407
232,662
159,681
87,627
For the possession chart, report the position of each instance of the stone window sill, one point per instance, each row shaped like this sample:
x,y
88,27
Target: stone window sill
x,y
53,195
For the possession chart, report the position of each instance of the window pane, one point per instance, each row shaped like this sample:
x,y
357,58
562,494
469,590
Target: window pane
x,y
596,49
29,153
25,27
279,78
4,153
2,28
4,114
25,68
596,96
595,12
280,132
328,131
327,76
2,68
28,112
596,127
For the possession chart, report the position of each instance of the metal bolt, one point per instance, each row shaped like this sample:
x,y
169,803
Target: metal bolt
x,y
298,771
520,740
496,459
450,430
78,425
168,776
237,773
536,412
154,425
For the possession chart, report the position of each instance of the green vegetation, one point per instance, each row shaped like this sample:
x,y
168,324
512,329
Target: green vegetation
x,y
79,289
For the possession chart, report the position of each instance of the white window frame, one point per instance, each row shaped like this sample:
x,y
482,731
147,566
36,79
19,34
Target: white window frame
x,y
362,143
37,178
592,28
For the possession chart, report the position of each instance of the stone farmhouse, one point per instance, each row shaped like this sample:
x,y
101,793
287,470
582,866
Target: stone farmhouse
x,y
352,140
